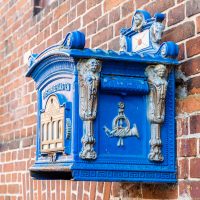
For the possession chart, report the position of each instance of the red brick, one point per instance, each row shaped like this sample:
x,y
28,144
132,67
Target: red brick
x,y
93,191
183,168
109,5
198,24
62,9
74,185
73,196
80,190
115,189
100,187
72,26
114,44
85,197
54,39
187,147
91,28
54,27
195,124
195,189
102,37
68,195
107,189
159,6
27,142
91,3
188,105
87,186
72,15
161,191
192,47
102,22
194,168
127,8
13,188
192,7
125,23
191,67
141,3
30,120
182,126
92,15
81,8
193,85
176,15
185,30
114,15
3,189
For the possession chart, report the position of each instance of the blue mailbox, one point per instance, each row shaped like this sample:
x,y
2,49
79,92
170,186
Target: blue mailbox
x,y
107,115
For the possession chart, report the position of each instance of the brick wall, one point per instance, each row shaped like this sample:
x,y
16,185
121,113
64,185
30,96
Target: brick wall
x,y
101,20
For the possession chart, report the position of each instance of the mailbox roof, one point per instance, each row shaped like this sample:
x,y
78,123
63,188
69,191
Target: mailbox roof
x,y
104,55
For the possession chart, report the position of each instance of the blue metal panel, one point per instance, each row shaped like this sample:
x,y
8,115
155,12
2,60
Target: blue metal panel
x,y
117,107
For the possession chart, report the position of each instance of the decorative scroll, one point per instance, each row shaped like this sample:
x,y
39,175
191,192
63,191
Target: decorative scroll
x,y
157,76
121,127
88,76
52,126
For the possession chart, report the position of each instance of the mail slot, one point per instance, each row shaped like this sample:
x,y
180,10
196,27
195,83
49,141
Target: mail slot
x,y
107,115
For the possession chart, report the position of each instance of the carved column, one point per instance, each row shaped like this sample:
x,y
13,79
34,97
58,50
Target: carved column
x,y
157,76
88,76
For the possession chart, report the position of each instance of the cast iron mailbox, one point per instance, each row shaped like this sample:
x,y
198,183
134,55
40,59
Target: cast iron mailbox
x,y
107,115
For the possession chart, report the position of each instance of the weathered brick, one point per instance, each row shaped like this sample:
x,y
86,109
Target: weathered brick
x,y
194,124
176,15
187,147
183,168
193,85
102,36
92,15
185,30
159,6
192,7
182,126
195,189
192,47
163,191
191,66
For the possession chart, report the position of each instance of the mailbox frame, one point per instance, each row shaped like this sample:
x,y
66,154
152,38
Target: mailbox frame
x,y
116,99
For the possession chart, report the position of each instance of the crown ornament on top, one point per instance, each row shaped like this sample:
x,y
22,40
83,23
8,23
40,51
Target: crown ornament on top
x,y
145,35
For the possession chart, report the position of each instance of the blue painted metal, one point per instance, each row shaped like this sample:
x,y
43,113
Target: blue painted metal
x,y
122,79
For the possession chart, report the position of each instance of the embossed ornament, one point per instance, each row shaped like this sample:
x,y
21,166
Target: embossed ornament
x,y
121,127
88,76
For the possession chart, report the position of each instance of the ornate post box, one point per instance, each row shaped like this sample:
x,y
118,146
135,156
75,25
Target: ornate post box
x,y
107,115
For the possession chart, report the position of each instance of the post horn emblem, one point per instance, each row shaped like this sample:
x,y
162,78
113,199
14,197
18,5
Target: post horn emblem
x,y
121,126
